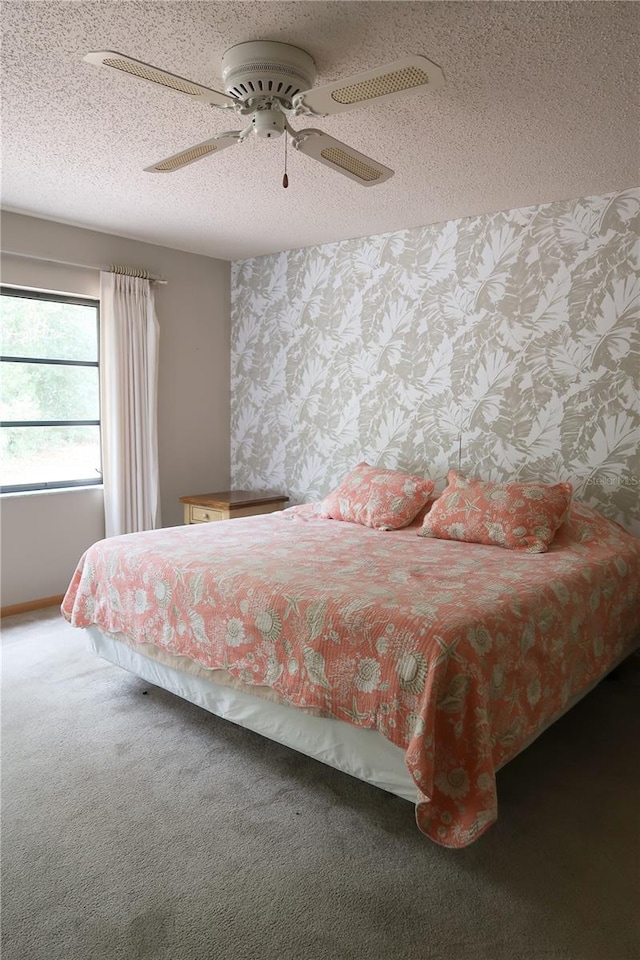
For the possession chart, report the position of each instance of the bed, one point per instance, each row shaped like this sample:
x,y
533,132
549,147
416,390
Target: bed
x,y
421,665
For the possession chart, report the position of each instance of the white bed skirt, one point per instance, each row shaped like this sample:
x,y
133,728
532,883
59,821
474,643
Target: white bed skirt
x,y
359,752
362,753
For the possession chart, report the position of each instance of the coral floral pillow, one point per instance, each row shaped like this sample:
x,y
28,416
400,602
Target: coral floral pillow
x,y
518,516
378,498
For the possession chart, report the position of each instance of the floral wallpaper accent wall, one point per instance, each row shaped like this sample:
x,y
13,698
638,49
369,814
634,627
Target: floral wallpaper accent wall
x,y
508,344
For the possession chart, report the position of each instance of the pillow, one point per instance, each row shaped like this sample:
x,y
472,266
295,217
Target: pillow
x,y
378,498
517,516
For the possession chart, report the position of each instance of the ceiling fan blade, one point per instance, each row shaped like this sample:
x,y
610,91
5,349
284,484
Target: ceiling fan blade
x,y
144,71
413,74
340,157
197,152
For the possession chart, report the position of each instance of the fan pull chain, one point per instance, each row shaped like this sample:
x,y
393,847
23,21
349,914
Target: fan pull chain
x,y
285,179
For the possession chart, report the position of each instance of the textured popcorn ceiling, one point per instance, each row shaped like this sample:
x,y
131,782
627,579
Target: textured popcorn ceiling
x,y
540,104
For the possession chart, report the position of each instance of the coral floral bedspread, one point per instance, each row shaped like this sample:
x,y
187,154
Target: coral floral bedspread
x,y
457,653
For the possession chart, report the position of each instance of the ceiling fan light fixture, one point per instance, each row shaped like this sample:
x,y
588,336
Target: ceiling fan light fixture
x,y
347,162
382,85
268,123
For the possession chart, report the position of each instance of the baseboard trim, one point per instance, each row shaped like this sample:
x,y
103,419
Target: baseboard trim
x,y
32,605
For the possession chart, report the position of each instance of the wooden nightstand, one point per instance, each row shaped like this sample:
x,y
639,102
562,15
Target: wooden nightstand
x,y
209,507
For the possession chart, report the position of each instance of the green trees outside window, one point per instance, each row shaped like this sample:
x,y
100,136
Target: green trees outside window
x,y
49,391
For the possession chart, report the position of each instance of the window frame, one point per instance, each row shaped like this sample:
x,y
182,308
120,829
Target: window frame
x,y
27,294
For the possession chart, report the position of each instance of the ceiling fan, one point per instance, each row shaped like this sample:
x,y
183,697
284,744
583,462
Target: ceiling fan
x,y
267,83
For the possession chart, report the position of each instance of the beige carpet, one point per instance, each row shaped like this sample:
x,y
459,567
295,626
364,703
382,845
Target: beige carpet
x,y
138,826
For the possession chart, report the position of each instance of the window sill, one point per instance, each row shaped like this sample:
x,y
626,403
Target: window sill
x,y
10,494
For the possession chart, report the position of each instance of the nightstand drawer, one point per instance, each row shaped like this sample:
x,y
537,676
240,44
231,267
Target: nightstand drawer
x,y
209,507
205,514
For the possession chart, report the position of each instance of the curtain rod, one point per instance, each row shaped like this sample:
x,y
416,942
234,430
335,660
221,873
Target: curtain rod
x,y
112,268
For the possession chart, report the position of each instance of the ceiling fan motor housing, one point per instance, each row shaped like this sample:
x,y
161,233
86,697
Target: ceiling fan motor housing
x,y
266,68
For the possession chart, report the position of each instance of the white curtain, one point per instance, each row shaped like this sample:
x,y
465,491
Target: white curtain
x,y
129,334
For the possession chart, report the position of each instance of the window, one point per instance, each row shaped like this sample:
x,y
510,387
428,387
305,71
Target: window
x,y
49,391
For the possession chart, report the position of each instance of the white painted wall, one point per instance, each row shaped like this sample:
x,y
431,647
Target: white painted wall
x,y
43,535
